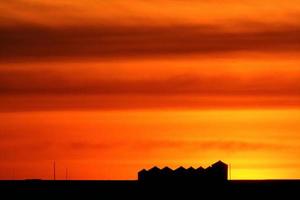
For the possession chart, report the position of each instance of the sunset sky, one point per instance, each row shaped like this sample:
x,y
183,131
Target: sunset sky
x,y
107,88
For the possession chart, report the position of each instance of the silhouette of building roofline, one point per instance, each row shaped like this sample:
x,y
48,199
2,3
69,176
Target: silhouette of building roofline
x,y
216,172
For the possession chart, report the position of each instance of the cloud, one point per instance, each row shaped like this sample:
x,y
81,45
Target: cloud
x,y
19,150
27,90
45,82
79,146
225,146
110,42
195,145
29,103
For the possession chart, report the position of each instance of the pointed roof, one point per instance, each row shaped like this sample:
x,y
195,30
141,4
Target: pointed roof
x,y
142,171
200,169
219,163
180,169
167,169
191,169
154,169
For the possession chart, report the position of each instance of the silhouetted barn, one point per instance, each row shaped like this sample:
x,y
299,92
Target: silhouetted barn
x,y
217,172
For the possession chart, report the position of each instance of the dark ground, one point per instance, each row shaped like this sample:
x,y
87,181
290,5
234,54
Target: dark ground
x,y
287,189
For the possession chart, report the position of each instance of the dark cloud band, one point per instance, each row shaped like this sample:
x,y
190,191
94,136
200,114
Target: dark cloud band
x,y
107,42
51,82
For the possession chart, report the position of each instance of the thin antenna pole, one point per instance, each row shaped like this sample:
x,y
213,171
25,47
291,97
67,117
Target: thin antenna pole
x,y
229,171
66,173
54,171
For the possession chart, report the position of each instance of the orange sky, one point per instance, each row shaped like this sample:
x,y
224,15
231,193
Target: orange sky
x,y
101,86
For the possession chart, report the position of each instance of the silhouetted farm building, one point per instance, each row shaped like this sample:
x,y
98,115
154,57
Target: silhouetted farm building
x,y
218,172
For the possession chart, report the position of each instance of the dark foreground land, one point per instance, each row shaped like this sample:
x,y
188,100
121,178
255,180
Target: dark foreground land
x,y
288,189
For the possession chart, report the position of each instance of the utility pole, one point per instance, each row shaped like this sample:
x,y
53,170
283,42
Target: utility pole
x,y
13,174
67,174
54,171
229,171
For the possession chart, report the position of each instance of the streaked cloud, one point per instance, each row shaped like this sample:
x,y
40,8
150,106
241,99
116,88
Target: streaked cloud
x,y
53,82
224,146
110,42
46,149
66,12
